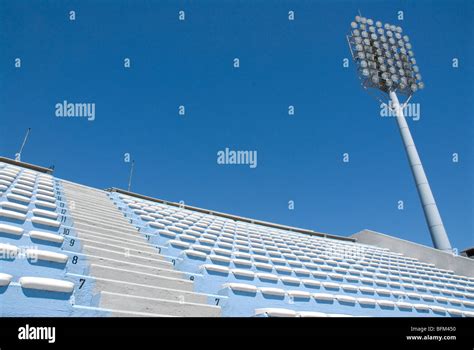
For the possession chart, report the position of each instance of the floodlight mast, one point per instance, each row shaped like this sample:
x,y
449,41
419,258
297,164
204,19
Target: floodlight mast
x,y
433,218
375,58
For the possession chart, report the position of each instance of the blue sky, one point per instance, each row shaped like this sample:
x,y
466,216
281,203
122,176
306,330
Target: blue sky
x,y
282,63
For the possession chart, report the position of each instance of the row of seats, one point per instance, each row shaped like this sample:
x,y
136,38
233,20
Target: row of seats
x,y
244,298
206,239
222,274
33,264
321,270
336,270
287,278
178,220
292,297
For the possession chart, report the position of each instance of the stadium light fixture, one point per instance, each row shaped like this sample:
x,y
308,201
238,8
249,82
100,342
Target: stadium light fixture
x,y
385,63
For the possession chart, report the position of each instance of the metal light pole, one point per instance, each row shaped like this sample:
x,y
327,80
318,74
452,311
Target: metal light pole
x,y
386,63
130,177
18,155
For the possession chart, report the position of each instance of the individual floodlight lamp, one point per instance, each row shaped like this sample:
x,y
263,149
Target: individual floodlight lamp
x,y
388,67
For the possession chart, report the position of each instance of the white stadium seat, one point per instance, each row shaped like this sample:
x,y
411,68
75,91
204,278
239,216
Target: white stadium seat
x,y
45,255
10,229
5,279
46,236
46,284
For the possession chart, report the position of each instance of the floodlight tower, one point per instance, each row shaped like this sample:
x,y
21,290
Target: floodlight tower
x,y
386,64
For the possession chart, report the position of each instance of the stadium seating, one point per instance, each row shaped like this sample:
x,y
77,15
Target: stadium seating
x,y
264,268
65,250
71,250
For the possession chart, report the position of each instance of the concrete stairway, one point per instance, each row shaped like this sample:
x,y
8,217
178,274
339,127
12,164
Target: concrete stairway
x,y
132,278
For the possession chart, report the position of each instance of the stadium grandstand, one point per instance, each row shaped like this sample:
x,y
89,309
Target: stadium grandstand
x,y
71,250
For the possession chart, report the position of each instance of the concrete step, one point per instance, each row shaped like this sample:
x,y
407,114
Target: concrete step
x,y
79,193
77,202
121,313
118,242
90,227
102,210
142,268
135,238
88,197
101,205
87,223
84,311
81,198
104,216
92,213
144,290
84,190
156,306
139,277
131,276
158,261
122,248
117,222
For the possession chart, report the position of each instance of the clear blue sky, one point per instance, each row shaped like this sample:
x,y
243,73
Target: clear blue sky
x,y
282,63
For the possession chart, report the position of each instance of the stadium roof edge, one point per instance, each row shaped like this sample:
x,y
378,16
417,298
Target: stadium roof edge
x,y
38,168
233,217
